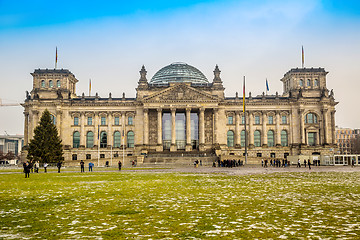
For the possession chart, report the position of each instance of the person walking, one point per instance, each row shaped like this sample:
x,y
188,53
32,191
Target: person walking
x,y
27,169
37,166
309,164
91,166
82,166
299,165
305,162
353,162
119,164
45,167
58,166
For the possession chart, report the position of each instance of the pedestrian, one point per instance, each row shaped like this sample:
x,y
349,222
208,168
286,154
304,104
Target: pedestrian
x,y
58,166
45,167
298,165
119,164
37,166
82,166
266,162
27,169
31,166
91,166
309,164
200,162
305,162
353,162
262,162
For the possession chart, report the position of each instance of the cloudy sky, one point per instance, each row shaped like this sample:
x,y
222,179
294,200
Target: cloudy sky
x,y
109,41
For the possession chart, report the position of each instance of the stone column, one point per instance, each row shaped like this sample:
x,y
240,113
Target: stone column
x,y
278,130
97,130
332,129
237,129
123,128
202,126
188,130
251,131
58,121
216,125
264,132
159,126
82,129
109,129
302,129
26,129
173,130
146,126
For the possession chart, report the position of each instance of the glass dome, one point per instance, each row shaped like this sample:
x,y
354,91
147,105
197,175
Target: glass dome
x,y
178,72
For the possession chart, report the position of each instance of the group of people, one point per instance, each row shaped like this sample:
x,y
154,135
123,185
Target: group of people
x,y
82,166
29,166
277,162
305,162
228,163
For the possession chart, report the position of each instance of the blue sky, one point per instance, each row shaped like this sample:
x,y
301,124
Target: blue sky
x,y
109,41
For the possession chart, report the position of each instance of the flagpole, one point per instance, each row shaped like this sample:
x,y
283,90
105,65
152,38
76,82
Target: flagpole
x,y
302,56
123,139
90,87
244,110
266,87
56,58
111,156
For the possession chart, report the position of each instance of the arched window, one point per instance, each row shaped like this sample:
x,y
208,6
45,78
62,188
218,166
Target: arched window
x,y
103,140
308,83
130,139
230,138
58,83
90,139
117,139
311,118
242,138
42,83
76,139
51,84
270,138
316,82
301,82
257,138
284,138
53,119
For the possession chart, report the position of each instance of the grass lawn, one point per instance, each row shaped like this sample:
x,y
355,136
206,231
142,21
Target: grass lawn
x,y
148,205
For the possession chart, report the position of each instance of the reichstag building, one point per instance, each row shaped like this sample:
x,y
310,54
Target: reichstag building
x,y
180,112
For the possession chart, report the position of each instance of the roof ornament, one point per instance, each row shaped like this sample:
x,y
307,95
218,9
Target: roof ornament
x,y
143,74
123,97
217,74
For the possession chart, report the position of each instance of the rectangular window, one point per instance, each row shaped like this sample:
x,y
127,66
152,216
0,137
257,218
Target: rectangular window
x,y
117,121
230,120
88,156
89,122
102,155
257,119
283,120
311,139
130,120
242,120
271,119
103,120
76,121
258,154
74,157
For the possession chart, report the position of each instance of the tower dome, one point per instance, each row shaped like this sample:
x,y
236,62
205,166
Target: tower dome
x,y
178,72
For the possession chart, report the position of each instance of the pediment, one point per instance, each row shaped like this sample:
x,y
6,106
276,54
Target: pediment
x,y
180,92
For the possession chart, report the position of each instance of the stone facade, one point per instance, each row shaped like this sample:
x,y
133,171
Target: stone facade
x,y
180,117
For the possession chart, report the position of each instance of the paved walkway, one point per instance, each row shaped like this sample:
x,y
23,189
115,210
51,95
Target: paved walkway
x,y
244,170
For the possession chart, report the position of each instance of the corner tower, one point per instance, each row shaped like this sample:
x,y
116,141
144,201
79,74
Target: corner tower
x,y
309,82
53,84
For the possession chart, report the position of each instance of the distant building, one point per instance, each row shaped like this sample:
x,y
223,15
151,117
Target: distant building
x,y
182,113
11,143
344,139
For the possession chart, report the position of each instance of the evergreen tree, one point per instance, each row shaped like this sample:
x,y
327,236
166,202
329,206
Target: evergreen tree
x,y
46,145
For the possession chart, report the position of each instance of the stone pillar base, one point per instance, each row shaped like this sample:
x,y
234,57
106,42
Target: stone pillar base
x,y
173,148
202,147
159,148
188,148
